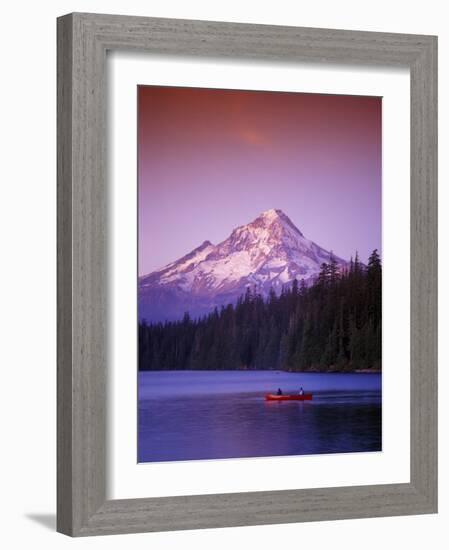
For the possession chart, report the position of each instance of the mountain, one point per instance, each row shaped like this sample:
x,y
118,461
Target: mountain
x,y
267,253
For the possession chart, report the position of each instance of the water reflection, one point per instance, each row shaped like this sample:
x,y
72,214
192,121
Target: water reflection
x,y
189,424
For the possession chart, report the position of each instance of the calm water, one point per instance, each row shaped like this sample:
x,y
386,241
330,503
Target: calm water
x,y
191,415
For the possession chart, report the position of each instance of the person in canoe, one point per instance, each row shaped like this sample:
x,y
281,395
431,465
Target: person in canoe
x,y
279,392
301,391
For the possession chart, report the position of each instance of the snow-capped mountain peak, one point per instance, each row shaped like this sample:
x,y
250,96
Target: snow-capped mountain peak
x,y
275,216
268,252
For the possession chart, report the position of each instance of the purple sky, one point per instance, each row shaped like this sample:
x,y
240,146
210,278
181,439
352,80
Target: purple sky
x,y
210,160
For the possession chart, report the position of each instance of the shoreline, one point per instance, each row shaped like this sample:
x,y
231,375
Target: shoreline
x,y
359,371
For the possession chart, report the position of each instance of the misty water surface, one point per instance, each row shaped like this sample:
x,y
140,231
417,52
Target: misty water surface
x,y
191,415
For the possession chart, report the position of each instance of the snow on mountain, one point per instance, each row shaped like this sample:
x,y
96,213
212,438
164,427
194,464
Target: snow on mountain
x,y
267,253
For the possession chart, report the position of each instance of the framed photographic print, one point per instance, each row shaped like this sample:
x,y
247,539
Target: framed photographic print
x,y
226,328
246,274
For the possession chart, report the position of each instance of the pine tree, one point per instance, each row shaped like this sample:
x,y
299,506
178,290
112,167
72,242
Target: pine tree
x,y
295,288
323,276
333,269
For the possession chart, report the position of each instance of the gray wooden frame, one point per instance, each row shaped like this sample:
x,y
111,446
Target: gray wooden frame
x,y
83,40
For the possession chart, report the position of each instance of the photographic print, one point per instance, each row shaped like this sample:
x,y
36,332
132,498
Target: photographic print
x,y
259,274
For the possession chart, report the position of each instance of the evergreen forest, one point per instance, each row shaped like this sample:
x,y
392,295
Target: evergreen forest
x,y
333,325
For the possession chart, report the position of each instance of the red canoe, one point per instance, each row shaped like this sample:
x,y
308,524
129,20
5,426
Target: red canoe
x,y
274,397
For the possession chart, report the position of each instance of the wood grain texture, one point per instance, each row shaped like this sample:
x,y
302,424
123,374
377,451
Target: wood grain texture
x,y
424,251
64,277
83,40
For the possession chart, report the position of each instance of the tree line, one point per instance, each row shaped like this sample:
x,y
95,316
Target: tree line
x,y
332,325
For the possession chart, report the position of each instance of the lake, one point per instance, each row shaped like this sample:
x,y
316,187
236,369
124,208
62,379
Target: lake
x,y
192,415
